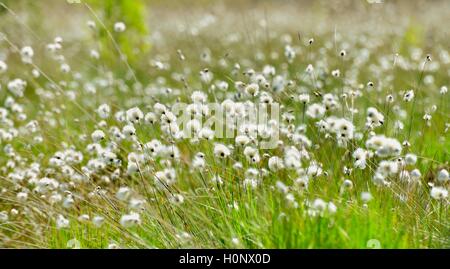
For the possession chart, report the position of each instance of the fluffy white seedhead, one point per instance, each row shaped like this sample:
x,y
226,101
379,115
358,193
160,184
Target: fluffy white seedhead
x,y
119,27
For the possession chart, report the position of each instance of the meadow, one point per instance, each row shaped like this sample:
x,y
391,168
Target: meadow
x,y
107,138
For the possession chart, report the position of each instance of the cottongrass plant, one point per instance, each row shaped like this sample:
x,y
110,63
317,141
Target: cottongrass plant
x,y
95,158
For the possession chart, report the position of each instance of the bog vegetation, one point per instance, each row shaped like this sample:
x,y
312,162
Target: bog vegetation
x,y
94,155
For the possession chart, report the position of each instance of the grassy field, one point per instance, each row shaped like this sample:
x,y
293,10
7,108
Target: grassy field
x,y
94,154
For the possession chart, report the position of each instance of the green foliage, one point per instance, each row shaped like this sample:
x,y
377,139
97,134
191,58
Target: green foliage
x,y
134,15
413,36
